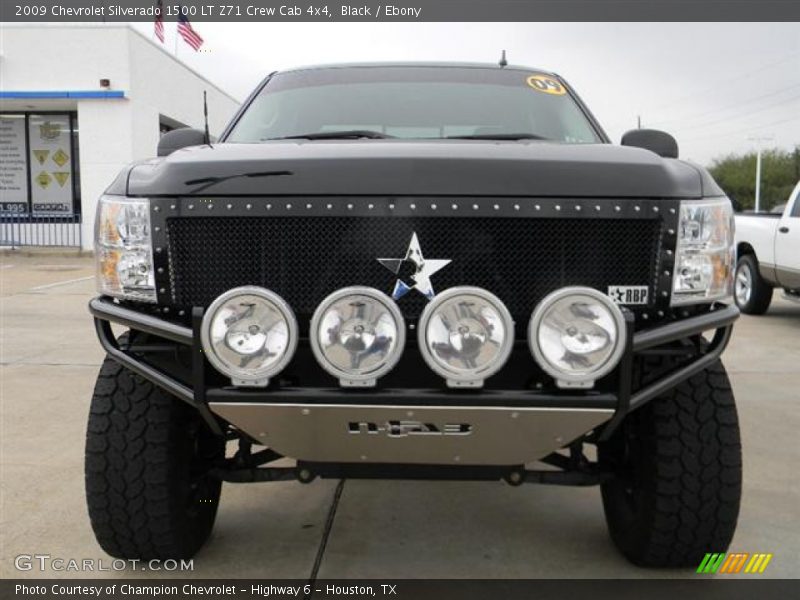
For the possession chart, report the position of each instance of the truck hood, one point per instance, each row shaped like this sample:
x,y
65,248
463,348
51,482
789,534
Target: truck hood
x,y
414,168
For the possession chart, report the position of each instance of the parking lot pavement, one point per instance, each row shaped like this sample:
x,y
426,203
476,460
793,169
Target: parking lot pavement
x,y
49,359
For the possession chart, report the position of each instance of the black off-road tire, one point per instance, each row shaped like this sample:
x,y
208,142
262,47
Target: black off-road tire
x,y
147,456
679,474
760,292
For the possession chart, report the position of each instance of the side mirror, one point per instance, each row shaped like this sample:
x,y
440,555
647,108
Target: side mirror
x,y
180,138
654,140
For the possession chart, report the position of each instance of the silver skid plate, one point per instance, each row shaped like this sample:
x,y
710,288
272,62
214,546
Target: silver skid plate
x,y
411,434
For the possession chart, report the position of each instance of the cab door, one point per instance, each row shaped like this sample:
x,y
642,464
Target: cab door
x,y
787,244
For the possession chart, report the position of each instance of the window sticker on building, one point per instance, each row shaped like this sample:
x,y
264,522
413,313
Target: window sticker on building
x,y
60,157
61,177
43,179
13,165
50,138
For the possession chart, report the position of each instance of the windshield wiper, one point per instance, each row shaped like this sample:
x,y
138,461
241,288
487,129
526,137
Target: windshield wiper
x,y
352,134
497,136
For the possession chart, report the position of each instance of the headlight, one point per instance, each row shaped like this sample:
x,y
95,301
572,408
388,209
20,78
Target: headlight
x,y
575,335
249,334
123,248
705,252
465,335
357,334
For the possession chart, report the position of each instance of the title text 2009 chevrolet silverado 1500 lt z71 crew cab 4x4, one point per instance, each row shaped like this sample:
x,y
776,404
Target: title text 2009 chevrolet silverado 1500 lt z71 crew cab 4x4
x,y
768,250
415,271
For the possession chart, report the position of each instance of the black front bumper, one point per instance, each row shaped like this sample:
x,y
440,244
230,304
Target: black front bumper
x,y
624,399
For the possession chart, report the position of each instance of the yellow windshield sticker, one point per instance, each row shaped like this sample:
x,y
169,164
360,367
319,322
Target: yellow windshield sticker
x,y
547,85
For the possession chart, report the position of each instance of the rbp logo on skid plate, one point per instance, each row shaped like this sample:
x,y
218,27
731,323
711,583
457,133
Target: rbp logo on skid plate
x,y
406,428
628,294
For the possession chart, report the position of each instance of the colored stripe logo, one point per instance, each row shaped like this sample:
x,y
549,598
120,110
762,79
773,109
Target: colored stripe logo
x,y
734,562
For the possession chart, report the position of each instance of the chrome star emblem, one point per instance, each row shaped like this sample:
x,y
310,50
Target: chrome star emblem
x,y
423,269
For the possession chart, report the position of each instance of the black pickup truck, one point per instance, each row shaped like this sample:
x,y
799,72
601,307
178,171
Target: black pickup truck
x,y
441,271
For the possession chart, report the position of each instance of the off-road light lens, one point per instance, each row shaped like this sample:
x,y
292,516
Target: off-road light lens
x,y
358,335
466,335
576,335
249,334
704,257
123,248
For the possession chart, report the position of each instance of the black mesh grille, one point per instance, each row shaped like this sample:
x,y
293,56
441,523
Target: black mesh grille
x,y
305,258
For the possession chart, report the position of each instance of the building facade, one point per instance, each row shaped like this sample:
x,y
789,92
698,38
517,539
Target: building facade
x,y
76,105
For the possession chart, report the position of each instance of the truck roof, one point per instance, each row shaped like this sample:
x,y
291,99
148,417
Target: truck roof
x,y
422,64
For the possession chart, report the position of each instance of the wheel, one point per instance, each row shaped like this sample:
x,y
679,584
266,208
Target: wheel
x,y
678,472
753,294
147,458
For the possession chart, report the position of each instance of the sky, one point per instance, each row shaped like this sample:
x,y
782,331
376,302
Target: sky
x,y
711,85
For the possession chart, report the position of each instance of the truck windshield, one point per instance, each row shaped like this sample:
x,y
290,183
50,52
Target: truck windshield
x,y
414,103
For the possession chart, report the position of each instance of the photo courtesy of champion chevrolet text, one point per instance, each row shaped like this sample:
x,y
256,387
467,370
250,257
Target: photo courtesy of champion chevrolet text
x,y
423,300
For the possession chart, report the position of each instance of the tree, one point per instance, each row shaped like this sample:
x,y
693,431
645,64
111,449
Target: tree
x,y
736,175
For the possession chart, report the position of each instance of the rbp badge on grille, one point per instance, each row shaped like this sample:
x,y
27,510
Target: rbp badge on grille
x,y
628,294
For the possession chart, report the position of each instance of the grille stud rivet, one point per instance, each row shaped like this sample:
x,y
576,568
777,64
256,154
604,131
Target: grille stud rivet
x,y
637,208
617,208
349,207
597,207
391,207
230,206
269,206
475,207
578,207
309,206
288,207
210,206
191,207
329,206
497,207
156,209
413,207
558,207
655,209
370,206
455,206
172,207
248,206
433,207
516,207
538,207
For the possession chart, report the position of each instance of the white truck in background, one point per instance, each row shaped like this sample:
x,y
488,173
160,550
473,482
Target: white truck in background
x,y
768,250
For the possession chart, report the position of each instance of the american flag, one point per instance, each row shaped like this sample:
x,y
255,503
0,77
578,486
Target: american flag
x,y
158,26
188,34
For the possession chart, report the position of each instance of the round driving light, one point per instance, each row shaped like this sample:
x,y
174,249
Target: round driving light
x,y
249,334
466,335
357,334
576,335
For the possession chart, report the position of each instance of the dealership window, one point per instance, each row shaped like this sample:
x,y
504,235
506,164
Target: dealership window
x,y
39,172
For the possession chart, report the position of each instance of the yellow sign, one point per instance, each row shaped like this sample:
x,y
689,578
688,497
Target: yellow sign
x,y
60,157
41,155
44,180
49,131
61,177
547,85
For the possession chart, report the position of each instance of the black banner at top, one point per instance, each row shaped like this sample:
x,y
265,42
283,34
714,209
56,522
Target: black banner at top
x,y
400,10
